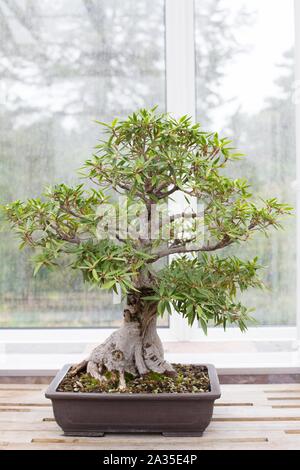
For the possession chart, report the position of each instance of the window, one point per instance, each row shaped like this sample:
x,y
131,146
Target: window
x,y
228,63
64,64
244,85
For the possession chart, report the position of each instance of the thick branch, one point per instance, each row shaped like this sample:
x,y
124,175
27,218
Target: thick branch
x,y
162,195
65,237
226,241
71,212
122,185
184,249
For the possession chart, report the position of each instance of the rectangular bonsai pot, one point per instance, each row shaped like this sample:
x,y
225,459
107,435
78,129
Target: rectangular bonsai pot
x,y
172,414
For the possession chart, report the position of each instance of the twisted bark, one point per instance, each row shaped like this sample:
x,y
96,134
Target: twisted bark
x,y
135,347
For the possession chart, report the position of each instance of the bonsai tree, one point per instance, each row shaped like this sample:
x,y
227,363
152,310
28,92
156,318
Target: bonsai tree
x,y
148,158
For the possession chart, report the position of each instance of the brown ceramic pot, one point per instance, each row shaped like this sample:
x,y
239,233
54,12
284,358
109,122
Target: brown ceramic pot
x,y
172,414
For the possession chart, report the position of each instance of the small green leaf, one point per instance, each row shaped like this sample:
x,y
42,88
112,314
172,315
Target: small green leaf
x,y
37,268
108,284
203,325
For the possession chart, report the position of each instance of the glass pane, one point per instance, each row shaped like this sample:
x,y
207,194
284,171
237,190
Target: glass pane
x,y
64,64
245,77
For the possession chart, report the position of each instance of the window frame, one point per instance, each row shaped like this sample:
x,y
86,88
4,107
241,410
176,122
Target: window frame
x,y
180,99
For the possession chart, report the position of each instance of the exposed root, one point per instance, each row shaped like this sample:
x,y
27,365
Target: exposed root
x,y
135,347
139,360
94,370
153,352
122,382
78,368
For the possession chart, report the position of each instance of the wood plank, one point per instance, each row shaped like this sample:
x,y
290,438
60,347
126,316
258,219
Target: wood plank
x,y
203,441
273,444
22,426
26,404
242,426
162,447
265,388
253,411
285,406
283,398
22,387
210,433
35,437
233,404
246,417
34,415
15,410
284,390
274,440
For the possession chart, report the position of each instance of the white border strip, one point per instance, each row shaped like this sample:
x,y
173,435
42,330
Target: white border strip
x,y
297,110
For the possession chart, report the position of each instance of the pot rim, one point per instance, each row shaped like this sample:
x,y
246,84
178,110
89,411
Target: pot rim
x,y
214,393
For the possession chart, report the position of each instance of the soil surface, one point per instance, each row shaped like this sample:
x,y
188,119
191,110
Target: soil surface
x,y
189,379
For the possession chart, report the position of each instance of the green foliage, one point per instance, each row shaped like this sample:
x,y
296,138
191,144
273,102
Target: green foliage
x,y
108,265
148,152
148,157
205,288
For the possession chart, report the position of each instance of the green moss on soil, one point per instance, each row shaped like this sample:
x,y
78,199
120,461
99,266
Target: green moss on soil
x,y
189,379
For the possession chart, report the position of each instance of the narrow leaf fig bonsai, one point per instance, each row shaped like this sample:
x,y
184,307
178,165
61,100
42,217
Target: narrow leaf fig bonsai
x,y
143,162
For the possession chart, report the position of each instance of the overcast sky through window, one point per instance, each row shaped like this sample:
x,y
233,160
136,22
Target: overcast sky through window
x,y
250,76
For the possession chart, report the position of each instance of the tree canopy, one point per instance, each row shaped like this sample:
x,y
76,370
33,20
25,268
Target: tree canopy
x,y
149,157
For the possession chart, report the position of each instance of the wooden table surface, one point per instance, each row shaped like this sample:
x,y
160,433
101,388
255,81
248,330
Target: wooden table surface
x,y
246,417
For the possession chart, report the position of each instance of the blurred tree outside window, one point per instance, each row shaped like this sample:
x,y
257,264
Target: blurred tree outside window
x,y
62,65
244,86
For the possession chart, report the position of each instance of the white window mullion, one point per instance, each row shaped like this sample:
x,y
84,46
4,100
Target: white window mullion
x,y
180,57
181,99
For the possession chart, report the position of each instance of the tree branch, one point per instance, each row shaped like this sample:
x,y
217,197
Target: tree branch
x,y
64,236
183,249
71,212
167,193
226,241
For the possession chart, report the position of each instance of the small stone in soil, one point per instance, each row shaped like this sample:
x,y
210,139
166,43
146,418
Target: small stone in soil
x,y
189,379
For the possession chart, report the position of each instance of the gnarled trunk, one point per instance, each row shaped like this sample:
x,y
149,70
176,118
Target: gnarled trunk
x,y
135,347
